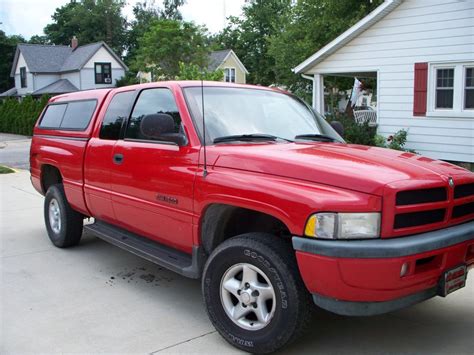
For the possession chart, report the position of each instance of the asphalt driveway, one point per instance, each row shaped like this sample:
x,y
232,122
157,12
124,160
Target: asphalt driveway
x,y
98,298
15,151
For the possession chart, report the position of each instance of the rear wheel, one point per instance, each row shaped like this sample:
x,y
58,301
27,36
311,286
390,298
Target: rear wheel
x,y
64,225
254,293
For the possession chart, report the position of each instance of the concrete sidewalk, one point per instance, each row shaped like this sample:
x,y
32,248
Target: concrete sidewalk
x,y
97,298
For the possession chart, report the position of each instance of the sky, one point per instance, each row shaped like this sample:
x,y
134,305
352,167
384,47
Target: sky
x,y
29,17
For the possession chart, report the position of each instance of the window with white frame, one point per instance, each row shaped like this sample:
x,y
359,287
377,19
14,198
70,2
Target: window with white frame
x,y
444,88
229,75
451,89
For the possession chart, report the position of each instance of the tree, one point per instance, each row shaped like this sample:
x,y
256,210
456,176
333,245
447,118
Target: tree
x,y
7,53
90,21
170,9
194,72
144,13
168,42
37,39
249,37
311,24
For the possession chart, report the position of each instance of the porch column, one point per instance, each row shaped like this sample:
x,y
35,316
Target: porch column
x,y
318,93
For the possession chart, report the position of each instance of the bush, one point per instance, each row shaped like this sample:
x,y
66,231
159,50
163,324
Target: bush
x,y
355,133
396,141
367,135
19,117
129,78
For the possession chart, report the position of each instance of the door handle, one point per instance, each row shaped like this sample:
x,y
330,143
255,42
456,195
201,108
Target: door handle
x,y
118,159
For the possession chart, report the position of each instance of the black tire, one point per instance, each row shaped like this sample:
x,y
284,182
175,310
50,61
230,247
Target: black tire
x,y
276,258
71,222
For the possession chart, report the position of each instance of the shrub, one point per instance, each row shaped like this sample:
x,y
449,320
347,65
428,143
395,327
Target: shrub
x,y
19,117
367,135
396,141
355,133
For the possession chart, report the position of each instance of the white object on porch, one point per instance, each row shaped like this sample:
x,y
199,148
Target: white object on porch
x,y
362,116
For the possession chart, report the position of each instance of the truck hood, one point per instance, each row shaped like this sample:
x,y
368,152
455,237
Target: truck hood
x,y
354,167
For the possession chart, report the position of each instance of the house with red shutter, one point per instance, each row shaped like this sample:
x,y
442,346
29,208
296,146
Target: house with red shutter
x,y
421,54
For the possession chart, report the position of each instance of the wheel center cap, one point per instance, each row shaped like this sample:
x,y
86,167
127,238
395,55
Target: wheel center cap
x,y
245,297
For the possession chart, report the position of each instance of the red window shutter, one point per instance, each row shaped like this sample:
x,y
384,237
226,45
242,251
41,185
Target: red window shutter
x,y
421,89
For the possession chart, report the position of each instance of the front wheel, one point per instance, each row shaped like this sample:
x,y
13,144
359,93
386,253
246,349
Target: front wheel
x,y
254,293
64,225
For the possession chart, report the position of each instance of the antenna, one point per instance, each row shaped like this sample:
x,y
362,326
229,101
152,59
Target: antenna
x,y
204,173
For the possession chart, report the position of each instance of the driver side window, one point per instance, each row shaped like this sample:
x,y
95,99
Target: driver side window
x,y
161,104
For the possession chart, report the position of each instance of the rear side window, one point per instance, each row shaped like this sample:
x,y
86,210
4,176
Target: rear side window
x,y
117,112
78,115
53,116
74,115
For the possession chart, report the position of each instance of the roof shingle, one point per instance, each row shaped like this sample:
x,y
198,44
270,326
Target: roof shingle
x,y
80,56
44,58
216,58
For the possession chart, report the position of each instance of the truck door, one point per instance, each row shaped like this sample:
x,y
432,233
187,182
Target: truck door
x,y
152,179
98,161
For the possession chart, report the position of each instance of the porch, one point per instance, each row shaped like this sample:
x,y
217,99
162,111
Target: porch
x,y
337,92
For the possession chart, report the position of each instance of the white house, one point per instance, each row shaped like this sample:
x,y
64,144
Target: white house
x,y
422,54
49,69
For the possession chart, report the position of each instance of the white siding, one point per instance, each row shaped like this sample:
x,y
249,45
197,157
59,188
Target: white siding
x,y
101,56
42,80
430,31
74,77
87,75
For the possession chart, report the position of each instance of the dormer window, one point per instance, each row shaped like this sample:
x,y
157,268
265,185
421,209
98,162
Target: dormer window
x,y
23,81
103,73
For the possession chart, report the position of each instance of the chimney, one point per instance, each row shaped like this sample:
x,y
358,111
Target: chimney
x,y
74,42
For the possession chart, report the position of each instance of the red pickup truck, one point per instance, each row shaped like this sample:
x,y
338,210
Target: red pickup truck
x,y
267,203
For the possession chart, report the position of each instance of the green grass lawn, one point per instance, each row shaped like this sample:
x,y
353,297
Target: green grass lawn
x,y
5,170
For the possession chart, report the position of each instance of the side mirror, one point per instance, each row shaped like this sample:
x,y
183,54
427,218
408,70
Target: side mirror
x,y
338,127
161,127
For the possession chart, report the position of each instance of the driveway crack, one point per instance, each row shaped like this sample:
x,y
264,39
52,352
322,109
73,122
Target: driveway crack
x,y
182,342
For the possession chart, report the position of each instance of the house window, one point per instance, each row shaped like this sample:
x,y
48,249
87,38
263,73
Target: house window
x,y
444,88
23,77
469,89
229,75
103,73
450,90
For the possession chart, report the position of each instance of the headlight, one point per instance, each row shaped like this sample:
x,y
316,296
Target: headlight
x,y
343,226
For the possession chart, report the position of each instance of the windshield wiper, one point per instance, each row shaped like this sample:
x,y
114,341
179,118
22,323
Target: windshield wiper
x,y
249,138
316,137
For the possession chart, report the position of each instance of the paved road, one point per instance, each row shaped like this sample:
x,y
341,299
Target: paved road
x,y
14,151
98,298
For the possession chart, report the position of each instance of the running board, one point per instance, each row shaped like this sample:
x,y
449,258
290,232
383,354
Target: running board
x,y
187,265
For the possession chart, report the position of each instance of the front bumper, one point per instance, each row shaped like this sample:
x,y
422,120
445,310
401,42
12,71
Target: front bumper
x,y
363,277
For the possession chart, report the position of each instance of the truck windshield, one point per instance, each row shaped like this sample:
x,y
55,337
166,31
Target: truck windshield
x,y
254,112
